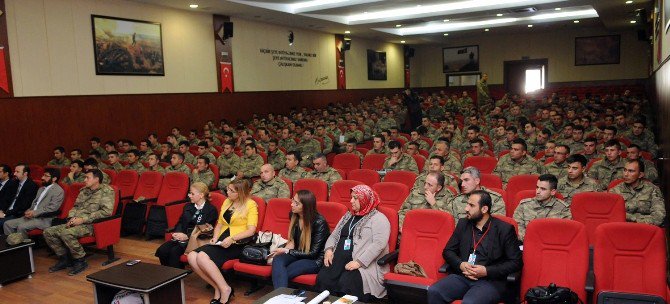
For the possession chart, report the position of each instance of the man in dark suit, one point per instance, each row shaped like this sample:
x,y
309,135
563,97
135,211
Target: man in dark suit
x,y
481,252
43,208
25,194
8,187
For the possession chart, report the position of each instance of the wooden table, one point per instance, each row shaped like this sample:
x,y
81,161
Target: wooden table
x,y
15,261
156,283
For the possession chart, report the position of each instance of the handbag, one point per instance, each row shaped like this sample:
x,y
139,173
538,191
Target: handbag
x,y
195,240
257,253
551,294
410,268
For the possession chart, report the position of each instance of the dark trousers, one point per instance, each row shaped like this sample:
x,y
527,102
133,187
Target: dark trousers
x,y
170,252
456,287
286,267
3,220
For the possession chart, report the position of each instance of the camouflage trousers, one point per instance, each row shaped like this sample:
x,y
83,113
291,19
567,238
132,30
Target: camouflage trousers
x,y
63,240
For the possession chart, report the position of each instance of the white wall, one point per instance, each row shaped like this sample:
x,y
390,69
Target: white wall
x,y
557,46
51,49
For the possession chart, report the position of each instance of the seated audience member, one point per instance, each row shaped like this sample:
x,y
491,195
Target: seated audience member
x,y
292,170
90,164
134,163
543,205
188,156
308,147
203,150
323,172
643,138
559,167
478,275
576,181
610,168
177,164
397,160
451,162
412,149
307,234
59,159
286,140
43,208
327,141
236,221
276,157
165,155
549,148
471,182
95,146
75,155
476,149
378,145
516,162
435,164
200,212
8,186
352,250
152,160
145,150
250,163
270,186
25,193
114,164
350,147
434,195
201,172
353,132
590,151
644,200
229,164
95,201
76,174
650,172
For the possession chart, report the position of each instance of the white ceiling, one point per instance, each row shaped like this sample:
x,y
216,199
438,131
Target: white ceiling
x,y
423,22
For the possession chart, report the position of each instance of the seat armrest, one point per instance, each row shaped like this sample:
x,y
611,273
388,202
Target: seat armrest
x,y
590,282
148,200
104,219
126,197
388,258
444,268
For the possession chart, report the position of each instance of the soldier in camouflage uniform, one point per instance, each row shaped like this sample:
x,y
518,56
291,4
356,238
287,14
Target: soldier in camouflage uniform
x,y
134,161
292,170
327,141
350,147
470,181
590,151
650,171
91,164
353,132
275,156
516,162
415,136
451,163
333,130
543,205
202,173
203,147
577,142
113,158
59,159
398,160
610,168
559,167
95,201
95,146
75,175
152,159
641,137
378,145
308,147
576,181
506,144
286,141
269,186
177,164
323,172
145,150
177,134
644,200
188,157
476,149
250,163
432,196
385,122
434,164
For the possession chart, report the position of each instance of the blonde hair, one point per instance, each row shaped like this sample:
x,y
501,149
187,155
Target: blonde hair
x,y
243,194
202,188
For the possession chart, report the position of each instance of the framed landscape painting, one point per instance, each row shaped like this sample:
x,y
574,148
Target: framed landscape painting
x,y
127,47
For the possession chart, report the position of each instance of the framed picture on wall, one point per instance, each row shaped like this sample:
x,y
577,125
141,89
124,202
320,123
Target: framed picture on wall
x,y
460,60
127,47
597,50
376,65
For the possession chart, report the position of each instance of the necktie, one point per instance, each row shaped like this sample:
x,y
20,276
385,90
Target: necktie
x,y
18,191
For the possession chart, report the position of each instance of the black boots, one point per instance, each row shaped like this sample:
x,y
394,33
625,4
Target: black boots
x,y
63,262
78,266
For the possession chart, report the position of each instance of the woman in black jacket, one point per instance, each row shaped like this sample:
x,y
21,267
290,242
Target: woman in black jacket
x,y
199,213
307,234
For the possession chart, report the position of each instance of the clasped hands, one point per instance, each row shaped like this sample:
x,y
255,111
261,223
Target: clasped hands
x,y
473,272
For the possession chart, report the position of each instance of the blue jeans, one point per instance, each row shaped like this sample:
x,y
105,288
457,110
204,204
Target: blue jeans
x,y
286,267
455,287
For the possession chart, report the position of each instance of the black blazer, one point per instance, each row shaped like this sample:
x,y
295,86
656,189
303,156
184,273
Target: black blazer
x,y
7,193
320,233
187,221
500,244
25,199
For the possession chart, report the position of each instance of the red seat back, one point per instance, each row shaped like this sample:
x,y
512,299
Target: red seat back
x,y
332,212
126,181
403,177
392,216
491,181
70,197
425,233
174,188
262,206
374,162
508,220
111,173
366,176
317,186
392,194
631,258
149,185
36,172
420,161
215,182
340,192
520,182
217,199
289,183
595,208
346,162
363,150
485,164
555,251
277,216
614,183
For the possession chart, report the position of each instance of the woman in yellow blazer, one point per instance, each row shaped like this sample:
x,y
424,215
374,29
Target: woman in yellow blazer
x,y
237,220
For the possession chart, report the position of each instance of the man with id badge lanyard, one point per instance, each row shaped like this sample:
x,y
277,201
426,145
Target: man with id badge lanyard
x,y
481,252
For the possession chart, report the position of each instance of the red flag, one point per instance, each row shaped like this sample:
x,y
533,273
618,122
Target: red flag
x,y
341,78
226,77
407,82
4,83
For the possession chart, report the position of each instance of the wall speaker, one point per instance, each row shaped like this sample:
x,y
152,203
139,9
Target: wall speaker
x,y
227,30
347,45
409,52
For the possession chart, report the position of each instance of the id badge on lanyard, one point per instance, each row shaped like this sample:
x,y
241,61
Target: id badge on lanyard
x,y
347,244
472,258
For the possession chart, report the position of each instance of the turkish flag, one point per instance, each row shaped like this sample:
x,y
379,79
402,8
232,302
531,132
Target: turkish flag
x,y
226,77
341,78
4,83
407,82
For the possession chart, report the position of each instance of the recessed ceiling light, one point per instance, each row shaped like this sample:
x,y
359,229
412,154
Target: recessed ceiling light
x,y
445,20
193,5
557,9
402,41
398,25
530,25
633,21
347,32
629,2
486,30
576,21
499,15
446,34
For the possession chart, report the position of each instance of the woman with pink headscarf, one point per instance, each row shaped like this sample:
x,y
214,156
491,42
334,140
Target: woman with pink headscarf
x,y
352,250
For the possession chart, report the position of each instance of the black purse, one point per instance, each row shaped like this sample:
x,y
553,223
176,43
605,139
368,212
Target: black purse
x,y
257,253
551,294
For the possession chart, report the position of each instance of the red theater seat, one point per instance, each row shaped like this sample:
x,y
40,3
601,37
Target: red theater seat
x,y
404,177
340,192
106,232
366,176
317,186
485,164
374,162
392,194
346,162
595,208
